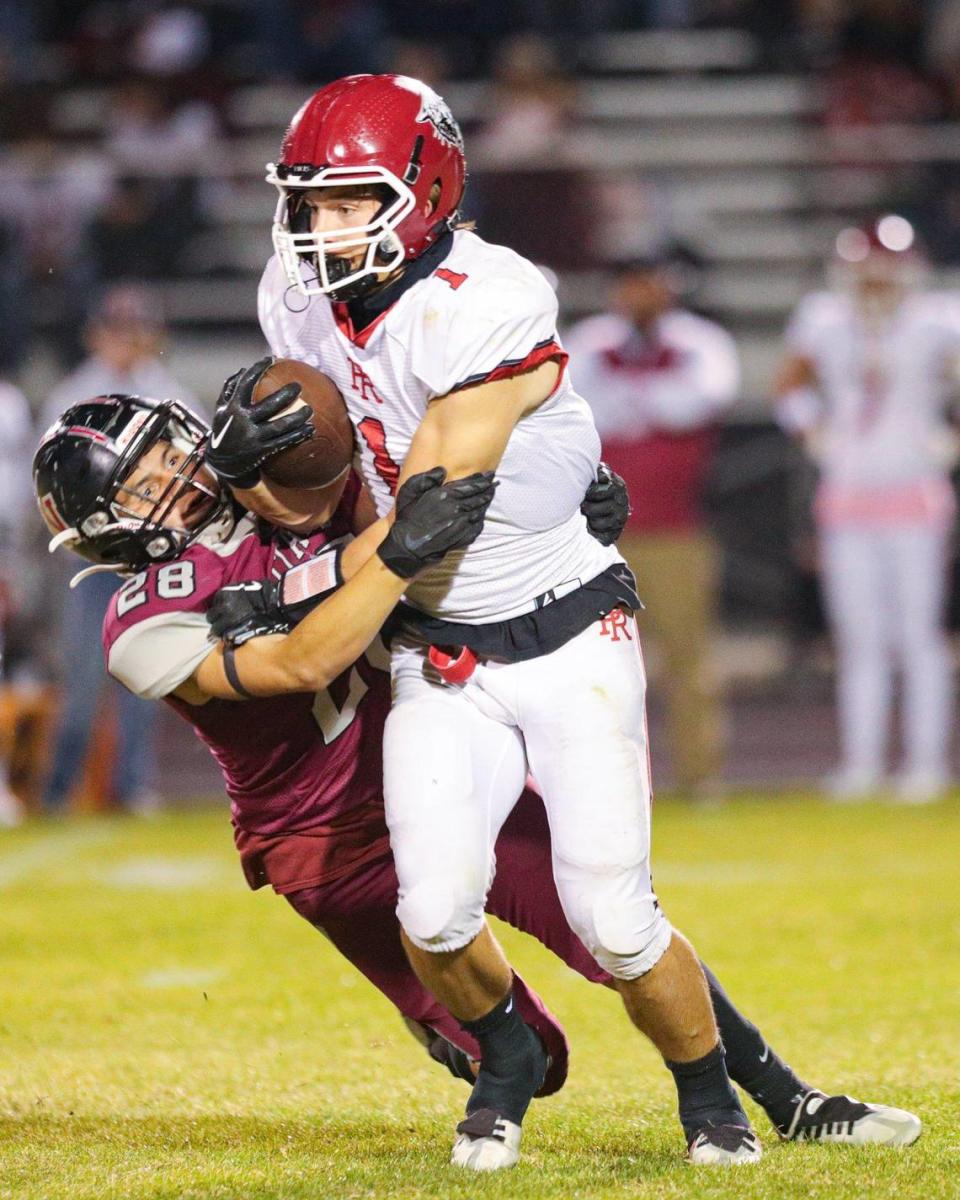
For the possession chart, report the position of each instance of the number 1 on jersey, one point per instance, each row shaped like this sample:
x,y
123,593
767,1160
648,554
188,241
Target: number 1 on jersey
x,y
373,433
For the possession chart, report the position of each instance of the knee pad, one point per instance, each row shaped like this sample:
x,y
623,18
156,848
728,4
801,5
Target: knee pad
x,y
631,934
439,915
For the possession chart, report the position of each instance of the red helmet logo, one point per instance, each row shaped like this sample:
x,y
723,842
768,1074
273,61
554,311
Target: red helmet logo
x,y
390,132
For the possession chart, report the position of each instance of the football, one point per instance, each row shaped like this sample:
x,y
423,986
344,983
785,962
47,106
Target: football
x,y
328,454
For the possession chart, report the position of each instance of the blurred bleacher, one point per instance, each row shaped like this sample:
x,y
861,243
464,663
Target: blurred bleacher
x,y
753,180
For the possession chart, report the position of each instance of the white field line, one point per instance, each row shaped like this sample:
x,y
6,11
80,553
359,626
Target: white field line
x,y
165,874
188,977
54,848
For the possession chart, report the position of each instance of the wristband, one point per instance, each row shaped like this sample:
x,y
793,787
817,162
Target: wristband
x,y
230,667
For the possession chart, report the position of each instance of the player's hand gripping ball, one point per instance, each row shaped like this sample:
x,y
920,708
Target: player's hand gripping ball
x,y
284,420
323,458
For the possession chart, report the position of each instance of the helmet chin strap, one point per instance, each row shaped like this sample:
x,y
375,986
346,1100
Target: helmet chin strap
x,y
61,538
97,569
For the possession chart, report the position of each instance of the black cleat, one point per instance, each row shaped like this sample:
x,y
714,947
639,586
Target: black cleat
x,y
822,1118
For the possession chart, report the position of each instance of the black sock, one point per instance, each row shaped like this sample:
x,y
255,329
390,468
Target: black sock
x,y
750,1061
512,1061
705,1093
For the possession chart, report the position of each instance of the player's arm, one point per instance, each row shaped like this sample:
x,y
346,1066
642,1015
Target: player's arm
x,y
242,612
308,658
468,430
796,396
472,426
436,517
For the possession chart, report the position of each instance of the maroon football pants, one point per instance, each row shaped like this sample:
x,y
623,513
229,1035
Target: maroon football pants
x,y
358,914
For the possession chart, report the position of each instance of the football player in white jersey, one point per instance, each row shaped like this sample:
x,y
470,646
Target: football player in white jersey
x,y
864,384
518,654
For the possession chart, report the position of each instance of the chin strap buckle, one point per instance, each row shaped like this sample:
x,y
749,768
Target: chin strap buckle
x,y
454,664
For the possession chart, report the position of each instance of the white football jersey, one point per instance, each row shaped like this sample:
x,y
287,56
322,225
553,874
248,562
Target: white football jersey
x,y
484,314
883,387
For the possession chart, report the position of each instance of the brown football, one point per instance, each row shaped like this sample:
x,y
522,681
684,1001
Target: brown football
x,y
318,462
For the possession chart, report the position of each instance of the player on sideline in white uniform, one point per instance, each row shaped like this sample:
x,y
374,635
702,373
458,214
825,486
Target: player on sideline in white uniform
x,y
520,653
864,386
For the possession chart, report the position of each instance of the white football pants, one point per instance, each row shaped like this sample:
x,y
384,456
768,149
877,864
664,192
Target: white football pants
x,y
455,760
885,589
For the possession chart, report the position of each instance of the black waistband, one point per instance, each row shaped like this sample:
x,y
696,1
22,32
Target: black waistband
x,y
533,634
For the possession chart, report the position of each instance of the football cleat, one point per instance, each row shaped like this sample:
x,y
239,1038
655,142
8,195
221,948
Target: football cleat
x,y
486,1141
822,1118
724,1146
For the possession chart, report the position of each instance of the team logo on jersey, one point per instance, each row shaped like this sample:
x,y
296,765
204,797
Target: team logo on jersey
x,y
435,110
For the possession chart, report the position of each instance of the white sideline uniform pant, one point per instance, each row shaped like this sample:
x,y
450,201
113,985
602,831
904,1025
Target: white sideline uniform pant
x,y
885,588
455,760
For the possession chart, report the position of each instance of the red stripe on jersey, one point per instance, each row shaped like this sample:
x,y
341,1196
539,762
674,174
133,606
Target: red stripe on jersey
x,y
342,317
541,353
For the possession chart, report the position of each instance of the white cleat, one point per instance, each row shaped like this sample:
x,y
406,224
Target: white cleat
x,y
486,1141
920,787
851,786
821,1118
724,1146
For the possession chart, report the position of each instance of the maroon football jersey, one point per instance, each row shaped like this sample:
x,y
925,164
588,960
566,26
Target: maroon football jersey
x,y
303,772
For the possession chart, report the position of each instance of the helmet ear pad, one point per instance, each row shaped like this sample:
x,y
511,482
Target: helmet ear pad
x,y
299,212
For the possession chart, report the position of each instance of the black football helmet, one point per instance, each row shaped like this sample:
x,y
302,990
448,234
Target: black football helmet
x,y
83,462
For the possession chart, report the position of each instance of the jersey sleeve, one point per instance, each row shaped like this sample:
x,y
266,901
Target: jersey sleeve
x,y
485,329
269,312
155,633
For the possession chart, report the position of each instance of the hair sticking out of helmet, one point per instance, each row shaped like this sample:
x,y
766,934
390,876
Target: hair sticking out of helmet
x,y
385,136
120,480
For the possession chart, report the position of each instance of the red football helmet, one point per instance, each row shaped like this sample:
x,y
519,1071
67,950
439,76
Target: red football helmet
x,y
878,262
386,130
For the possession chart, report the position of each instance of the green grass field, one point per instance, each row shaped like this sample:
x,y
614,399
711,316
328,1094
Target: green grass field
x,y
166,1033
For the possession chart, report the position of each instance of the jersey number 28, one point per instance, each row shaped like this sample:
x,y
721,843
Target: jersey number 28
x,y
171,582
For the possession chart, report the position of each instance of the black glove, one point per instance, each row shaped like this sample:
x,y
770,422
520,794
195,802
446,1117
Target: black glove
x,y
433,518
606,506
242,611
244,436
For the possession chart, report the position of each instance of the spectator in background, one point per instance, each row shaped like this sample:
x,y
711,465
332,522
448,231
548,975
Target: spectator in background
x,y
523,152
16,450
531,106
165,148
658,379
863,385
44,262
124,338
318,40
